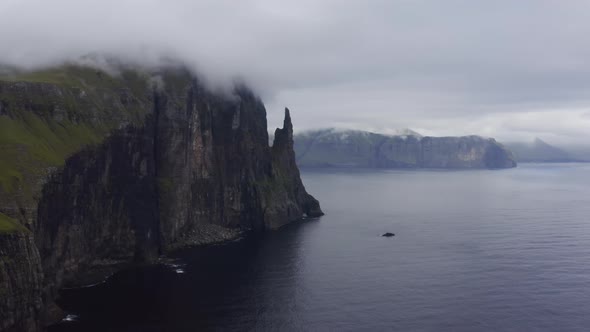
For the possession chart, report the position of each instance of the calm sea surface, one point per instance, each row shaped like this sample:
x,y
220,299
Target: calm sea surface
x,y
501,250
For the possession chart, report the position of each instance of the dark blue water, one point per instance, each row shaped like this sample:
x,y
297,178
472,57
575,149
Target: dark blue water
x,y
474,251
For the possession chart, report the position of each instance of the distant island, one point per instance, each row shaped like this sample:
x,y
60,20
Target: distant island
x,y
354,148
542,152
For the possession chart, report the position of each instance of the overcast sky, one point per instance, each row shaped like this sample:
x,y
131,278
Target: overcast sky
x,y
512,69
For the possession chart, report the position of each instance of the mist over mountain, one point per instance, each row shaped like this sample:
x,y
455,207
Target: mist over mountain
x,y
368,65
158,160
541,151
580,152
125,166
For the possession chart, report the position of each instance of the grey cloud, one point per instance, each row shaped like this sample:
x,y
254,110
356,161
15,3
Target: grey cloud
x,y
440,66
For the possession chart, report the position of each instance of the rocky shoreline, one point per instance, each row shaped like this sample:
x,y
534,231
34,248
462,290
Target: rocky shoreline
x,y
147,170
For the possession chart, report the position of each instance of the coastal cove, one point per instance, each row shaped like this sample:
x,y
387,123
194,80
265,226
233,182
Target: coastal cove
x,y
101,170
473,250
182,166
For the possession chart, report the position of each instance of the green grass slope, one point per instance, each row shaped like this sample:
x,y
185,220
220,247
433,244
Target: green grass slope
x,y
48,115
9,225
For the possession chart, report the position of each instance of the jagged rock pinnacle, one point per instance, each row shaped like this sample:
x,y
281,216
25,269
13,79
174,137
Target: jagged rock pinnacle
x,y
287,124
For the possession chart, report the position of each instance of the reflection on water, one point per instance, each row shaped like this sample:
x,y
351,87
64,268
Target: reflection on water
x,y
477,250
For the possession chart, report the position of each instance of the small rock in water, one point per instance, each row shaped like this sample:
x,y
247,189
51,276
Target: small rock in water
x,y
388,234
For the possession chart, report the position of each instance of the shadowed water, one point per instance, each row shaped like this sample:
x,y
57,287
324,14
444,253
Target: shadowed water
x,y
474,251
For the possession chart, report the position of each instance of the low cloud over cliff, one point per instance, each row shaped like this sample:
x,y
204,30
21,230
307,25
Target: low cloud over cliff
x,y
511,69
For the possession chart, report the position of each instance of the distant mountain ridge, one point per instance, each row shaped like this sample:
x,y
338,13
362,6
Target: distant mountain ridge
x,y
541,151
334,147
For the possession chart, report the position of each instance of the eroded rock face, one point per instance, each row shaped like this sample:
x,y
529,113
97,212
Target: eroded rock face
x,y
195,168
101,205
293,201
21,283
443,152
210,158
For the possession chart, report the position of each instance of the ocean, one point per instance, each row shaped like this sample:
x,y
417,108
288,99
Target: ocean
x,y
478,250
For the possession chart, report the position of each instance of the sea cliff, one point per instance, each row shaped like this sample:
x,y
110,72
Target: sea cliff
x,y
353,148
124,167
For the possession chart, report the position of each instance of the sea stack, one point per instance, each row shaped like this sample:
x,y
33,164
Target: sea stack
x,y
100,167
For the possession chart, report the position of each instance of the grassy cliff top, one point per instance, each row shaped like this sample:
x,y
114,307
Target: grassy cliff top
x,y
74,76
9,225
48,115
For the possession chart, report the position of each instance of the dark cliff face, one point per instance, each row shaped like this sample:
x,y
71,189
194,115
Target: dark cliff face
x,y
330,148
101,205
165,166
21,281
220,144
